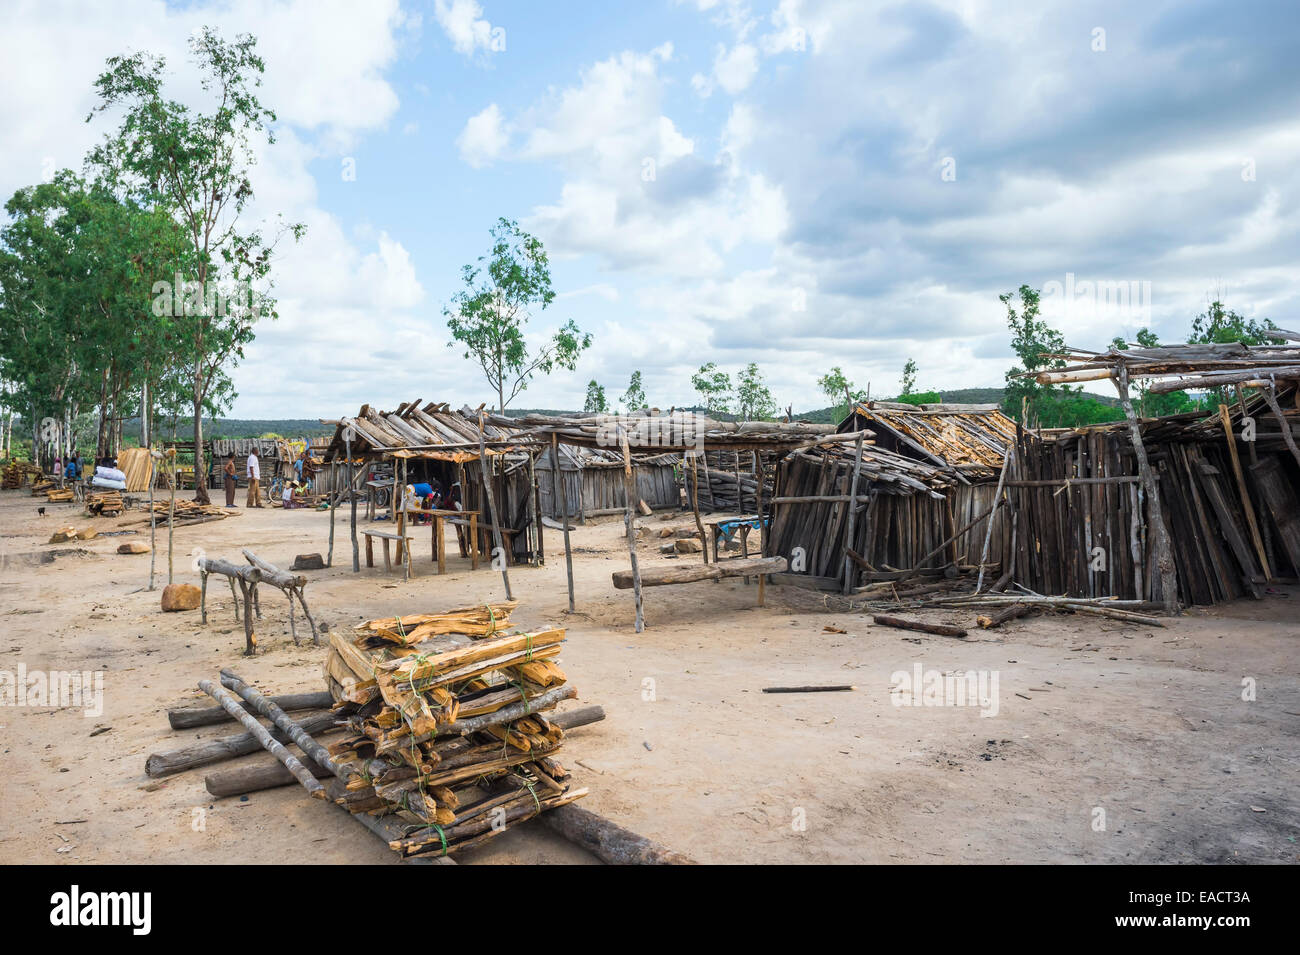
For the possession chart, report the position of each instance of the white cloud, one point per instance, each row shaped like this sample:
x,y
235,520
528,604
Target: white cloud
x,y
464,24
484,137
736,68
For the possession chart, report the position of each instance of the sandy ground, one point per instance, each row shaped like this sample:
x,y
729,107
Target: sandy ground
x,y
1111,743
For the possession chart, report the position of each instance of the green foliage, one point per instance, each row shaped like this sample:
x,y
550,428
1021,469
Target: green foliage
x,y
754,401
595,402
634,398
1222,325
1032,339
837,387
488,316
714,388
920,398
909,378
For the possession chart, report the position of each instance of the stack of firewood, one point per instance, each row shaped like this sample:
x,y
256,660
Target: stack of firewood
x,y
104,503
450,732
17,474
58,495
187,511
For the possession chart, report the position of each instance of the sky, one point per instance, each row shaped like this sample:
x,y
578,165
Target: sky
x,y
801,184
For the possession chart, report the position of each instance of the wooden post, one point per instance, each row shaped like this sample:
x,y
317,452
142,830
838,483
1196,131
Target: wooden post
x,y
1163,551
171,516
629,486
356,550
557,480
695,506
153,517
500,552
1247,504
334,506
762,528
852,505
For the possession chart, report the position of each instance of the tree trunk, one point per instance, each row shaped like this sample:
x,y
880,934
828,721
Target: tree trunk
x,y
200,472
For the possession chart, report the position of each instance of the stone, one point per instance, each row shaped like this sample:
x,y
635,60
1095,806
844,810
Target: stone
x,y
687,545
308,562
133,547
180,597
63,534
87,534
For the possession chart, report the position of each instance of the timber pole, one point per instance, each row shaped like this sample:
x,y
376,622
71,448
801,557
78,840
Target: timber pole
x,y
849,540
352,497
500,552
1165,566
563,498
997,501
629,494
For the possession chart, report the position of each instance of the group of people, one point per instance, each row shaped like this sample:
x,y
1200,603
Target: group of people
x,y
253,473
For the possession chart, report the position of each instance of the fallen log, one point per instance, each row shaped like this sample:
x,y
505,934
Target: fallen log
x,y
662,576
607,840
1002,616
191,717
222,748
940,629
808,689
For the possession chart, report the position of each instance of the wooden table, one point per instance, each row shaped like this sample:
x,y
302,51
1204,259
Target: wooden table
x,y
441,517
719,530
403,541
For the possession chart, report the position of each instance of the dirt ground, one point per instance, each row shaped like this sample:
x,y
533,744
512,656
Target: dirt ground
x,y
1111,743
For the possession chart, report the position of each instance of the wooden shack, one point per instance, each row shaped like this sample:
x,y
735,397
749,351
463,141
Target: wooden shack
x,y
432,442
594,485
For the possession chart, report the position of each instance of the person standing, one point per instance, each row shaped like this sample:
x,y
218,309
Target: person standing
x,y
254,476
228,473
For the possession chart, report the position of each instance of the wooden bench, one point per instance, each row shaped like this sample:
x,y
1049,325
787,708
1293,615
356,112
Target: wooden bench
x,y
403,541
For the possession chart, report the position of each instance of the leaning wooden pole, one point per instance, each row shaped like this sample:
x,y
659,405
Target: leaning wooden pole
x,y
997,501
762,528
500,553
629,512
1247,504
563,499
268,708
1164,554
291,763
1270,395
695,506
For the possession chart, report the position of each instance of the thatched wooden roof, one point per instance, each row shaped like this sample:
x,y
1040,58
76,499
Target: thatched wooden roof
x,y
972,439
429,431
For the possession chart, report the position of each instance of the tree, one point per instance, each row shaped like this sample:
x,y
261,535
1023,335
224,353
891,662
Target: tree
x,y
595,403
488,316
909,377
1032,339
713,387
634,398
1147,404
1221,325
196,166
754,400
839,390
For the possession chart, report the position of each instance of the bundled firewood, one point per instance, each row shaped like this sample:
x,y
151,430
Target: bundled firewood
x,y
58,495
449,731
105,503
18,473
